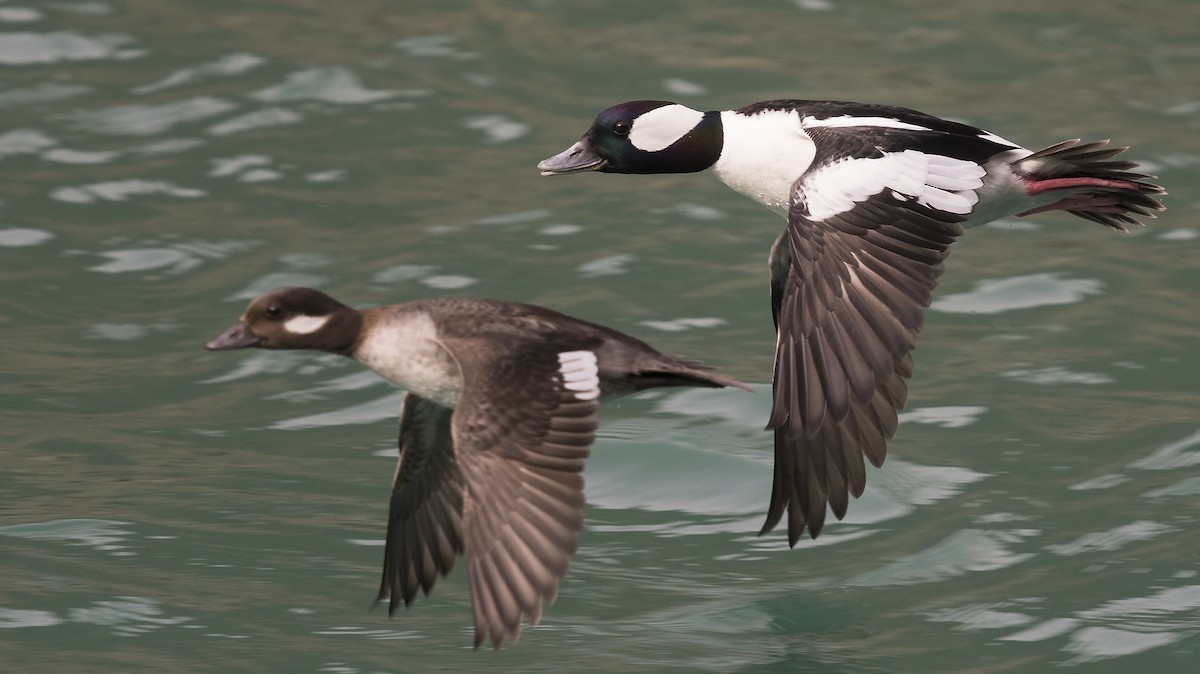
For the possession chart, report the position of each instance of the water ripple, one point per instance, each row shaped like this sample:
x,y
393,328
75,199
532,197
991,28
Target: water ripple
x,y
120,190
1057,375
950,416
147,120
962,552
13,618
980,617
1020,292
231,64
127,616
251,121
174,259
1175,455
41,93
24,141
612,264
41,48
1112,539
106,535
681,324
329,85
387,407
20,237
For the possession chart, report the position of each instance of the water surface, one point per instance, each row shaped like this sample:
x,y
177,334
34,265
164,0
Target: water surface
x,y
167,509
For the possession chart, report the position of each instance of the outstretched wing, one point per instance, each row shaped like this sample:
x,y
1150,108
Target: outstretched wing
x,y
424,534
522,430
851,274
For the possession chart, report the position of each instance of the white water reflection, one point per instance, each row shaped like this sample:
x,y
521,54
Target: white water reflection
x,y
950,416
41,93
21,237
144,119
966,551
497,128
11,618
328,85
681,324
64,155
980,617
24,48
387,407
1113,539
231,64
1020,292
105,535
120,190
1174,455
1101,643
24,141
604,266
251,121
1057,375
126,616
1122,627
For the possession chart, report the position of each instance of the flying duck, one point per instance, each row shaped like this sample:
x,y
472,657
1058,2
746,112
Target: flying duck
x,y
500,413
873,195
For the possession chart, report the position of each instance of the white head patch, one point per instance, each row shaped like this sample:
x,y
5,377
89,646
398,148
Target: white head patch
x,y
661,127
580,373
304,325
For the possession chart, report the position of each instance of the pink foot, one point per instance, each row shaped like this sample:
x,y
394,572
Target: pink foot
x,y
1082,202
1033,187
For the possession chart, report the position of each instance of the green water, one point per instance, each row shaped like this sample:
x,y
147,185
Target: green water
x,y
167,509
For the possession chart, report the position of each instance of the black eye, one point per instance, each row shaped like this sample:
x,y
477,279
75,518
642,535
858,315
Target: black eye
x,y
621,127
274,311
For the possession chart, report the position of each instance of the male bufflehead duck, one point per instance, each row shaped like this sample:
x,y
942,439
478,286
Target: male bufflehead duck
x,y
499,417
874,195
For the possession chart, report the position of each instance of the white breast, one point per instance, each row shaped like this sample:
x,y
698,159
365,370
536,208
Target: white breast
x,y
763,155
406,352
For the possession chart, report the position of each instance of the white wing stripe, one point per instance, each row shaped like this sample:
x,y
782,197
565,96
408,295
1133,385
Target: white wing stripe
x,y
850,120
580,373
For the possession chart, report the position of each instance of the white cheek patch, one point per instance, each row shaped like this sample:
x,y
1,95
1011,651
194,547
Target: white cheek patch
x,y
661,127
580,373
938,182
304,325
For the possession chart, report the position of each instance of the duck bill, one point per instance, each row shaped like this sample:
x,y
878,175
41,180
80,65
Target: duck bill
x,y
575,159
237,337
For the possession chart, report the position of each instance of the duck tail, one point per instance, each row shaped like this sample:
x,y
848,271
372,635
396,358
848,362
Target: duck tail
x,y
1101,189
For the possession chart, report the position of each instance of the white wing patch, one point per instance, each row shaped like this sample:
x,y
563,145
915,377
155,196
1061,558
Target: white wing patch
x,y
661,127
936,181
305,325
850,120
988,135
580,373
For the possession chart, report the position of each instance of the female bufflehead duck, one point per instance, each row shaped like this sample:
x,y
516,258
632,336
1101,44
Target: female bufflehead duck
x,y
874,195
499,417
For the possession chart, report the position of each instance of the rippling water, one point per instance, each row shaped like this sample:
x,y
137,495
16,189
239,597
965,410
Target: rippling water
x,y
163,507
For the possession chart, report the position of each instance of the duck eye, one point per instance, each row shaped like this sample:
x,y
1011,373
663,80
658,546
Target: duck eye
x,y
274,311
621,127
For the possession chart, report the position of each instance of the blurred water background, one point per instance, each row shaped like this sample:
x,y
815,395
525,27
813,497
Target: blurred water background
x,y
167,509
